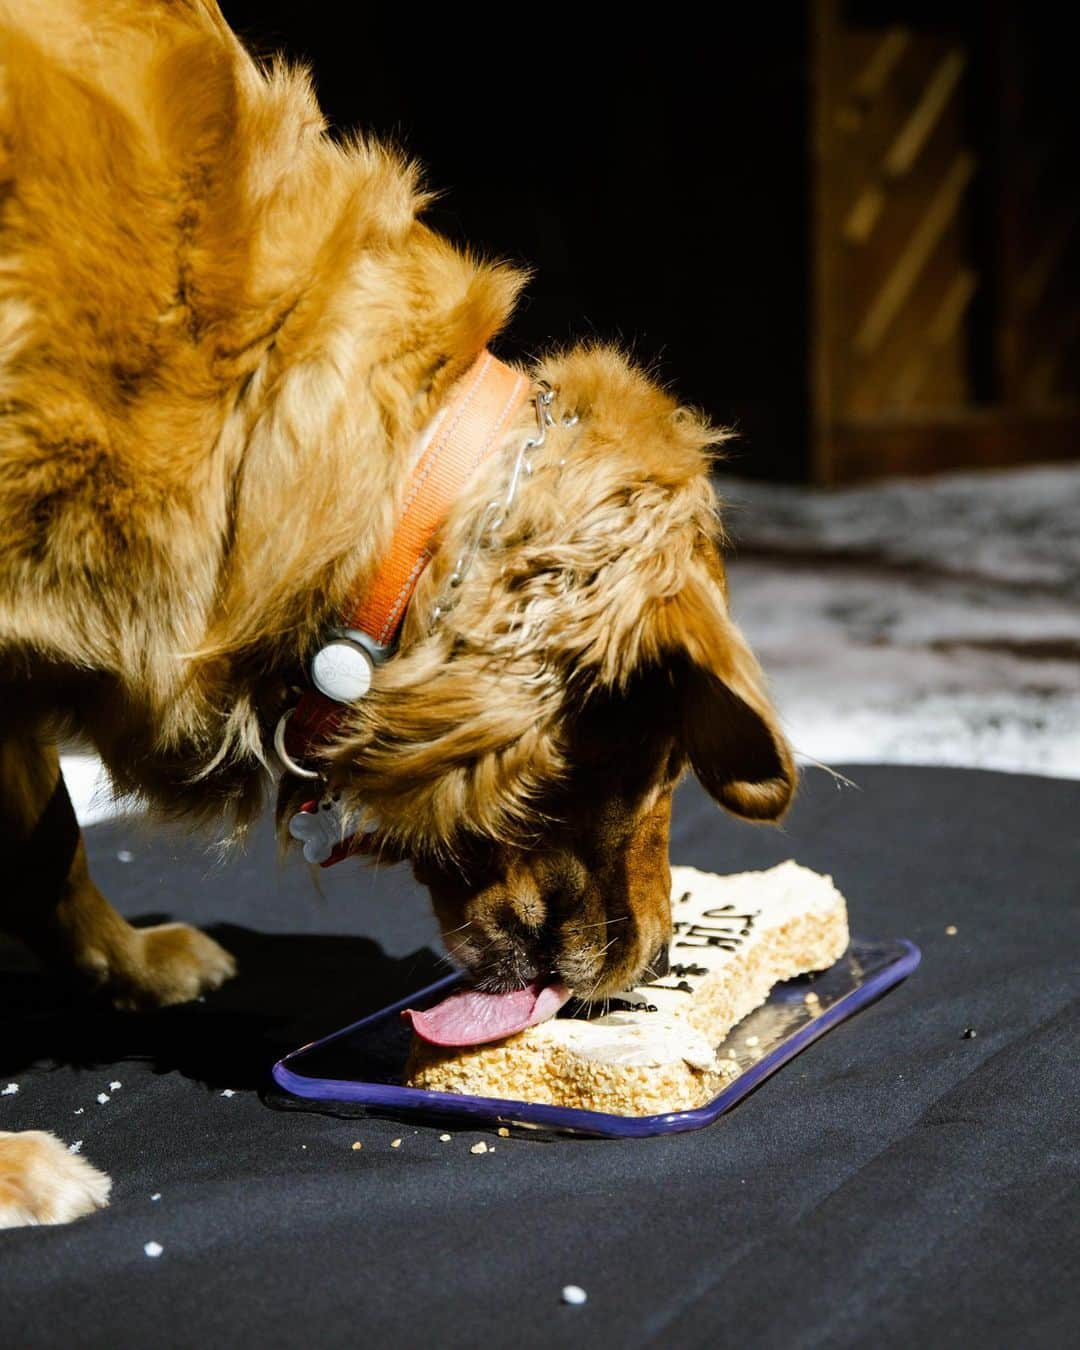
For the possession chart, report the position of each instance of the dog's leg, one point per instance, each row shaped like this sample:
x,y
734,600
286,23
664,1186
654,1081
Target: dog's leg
x,y
41,1181
49,901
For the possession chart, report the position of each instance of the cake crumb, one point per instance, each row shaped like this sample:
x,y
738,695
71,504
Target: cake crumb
x,y
79,1110
156,1195
228,1092
357,1145
124,855
115,1085
10,1090
103,1097
733,1054
76,1147
445,1138
153,1248
751,1040
481,1147
395,1143
811,998
574,1294
950,930
504,1133
969,1034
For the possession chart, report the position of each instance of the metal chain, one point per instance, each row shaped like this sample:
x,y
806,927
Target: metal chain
x,y
494,514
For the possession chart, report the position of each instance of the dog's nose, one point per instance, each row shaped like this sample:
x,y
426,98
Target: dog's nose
x,y
661,963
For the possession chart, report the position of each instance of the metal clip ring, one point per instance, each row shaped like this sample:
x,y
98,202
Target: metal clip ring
x,y
283,754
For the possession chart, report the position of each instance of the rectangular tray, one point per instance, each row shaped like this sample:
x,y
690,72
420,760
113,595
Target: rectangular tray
x,y
363,1063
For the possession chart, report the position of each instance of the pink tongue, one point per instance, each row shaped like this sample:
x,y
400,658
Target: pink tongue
x,y
472,1018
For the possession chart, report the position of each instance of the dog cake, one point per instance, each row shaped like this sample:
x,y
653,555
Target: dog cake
x,y
733,938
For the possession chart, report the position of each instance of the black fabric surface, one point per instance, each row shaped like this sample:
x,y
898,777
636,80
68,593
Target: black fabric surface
x,y
895,1184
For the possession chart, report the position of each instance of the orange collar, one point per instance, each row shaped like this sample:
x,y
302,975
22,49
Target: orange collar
x,y
484,403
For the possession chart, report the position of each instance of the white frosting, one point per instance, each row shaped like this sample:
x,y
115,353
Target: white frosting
x,y
712,918
648,1039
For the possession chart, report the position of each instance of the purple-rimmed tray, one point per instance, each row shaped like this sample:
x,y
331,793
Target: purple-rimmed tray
x,y
363,1063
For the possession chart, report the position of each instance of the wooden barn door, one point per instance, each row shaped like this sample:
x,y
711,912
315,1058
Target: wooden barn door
x,y
941,333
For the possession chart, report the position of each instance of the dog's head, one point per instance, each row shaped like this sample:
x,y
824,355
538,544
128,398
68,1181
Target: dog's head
x,y
522,751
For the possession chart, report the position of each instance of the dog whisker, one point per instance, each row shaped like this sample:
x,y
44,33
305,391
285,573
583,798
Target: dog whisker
x,y
588,998
841,780
451,931
596,985
604,923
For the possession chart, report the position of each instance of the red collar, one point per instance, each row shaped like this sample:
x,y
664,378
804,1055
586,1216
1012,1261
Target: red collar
x,y
483,405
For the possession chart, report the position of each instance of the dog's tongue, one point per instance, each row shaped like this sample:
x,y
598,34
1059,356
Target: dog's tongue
x,y
472,1018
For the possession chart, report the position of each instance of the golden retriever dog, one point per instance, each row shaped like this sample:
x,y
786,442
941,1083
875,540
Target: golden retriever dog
x,y
223,333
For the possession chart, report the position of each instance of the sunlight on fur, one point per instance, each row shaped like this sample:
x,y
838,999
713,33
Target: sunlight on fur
x,y
222,332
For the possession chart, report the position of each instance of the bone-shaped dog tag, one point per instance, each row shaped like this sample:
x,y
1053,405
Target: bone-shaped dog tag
x,y
319,827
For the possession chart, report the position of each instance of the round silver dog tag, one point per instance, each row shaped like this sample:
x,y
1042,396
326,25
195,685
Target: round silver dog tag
x,y
342,671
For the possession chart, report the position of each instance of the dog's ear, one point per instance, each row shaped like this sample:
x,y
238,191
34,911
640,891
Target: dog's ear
x,y
728,726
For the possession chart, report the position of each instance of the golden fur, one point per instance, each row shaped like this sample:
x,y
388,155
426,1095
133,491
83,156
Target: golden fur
x,y
221,331
42,1182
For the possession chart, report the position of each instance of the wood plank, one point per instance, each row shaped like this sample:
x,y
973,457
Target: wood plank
x,y
940,331
926,114
1036,277
991,437
887,55
913,258
864,215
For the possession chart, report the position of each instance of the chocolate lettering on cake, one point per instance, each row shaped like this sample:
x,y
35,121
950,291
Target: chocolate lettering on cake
x,y
721,927
726,929
585,1012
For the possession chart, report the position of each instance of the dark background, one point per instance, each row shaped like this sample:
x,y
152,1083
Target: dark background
x,y
644,170
686,184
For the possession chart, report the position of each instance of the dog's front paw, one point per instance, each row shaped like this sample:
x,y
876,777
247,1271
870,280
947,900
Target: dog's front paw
x,y
42,1182
170,963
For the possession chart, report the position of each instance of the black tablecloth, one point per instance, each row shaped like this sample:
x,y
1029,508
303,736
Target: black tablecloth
x,y
896,1182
